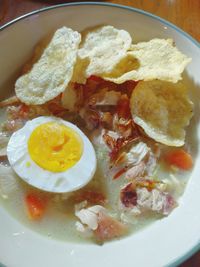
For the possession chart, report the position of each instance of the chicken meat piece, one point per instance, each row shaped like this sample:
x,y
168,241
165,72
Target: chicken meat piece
x,y
136,171
96,219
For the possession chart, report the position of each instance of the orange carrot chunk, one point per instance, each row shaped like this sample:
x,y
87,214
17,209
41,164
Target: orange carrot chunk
x,y
119,173
179,158
36,205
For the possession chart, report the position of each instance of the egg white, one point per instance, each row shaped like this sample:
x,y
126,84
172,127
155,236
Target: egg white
x,y
59,182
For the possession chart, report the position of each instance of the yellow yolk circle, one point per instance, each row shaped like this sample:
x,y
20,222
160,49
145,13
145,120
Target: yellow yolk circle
x,y
55,147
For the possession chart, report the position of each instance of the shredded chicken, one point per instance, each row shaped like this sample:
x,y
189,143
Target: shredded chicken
x,y
85,231
150,163
96,219
91,118
13,125
97,138
146,196
117,145
155,200
124,127
110,98
106,120
137,153
89,216
109,228
17,116
136,171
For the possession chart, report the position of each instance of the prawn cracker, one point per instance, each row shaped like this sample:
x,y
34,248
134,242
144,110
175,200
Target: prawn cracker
x,y
53,71
105,47
155,59
163,110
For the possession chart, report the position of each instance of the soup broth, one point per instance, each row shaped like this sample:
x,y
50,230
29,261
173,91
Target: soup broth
x,y
59,220
110,95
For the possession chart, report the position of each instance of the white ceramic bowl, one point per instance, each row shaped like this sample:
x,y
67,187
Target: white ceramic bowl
x,y
166,242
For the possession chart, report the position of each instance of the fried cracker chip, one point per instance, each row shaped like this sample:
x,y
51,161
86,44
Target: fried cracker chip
x,y
69,98
53,71
163,110
79,70
105,47
155,59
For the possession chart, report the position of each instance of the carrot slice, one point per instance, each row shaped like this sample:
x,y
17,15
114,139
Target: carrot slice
x,y
179,158
119,173
36,205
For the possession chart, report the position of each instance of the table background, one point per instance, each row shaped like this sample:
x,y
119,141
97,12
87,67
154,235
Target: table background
x,y
184,13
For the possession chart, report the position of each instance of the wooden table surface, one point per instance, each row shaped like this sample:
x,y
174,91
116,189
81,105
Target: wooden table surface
x,y
183,13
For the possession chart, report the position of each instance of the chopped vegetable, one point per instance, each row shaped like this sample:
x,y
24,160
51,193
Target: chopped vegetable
x,y
119,173
36,205
179,158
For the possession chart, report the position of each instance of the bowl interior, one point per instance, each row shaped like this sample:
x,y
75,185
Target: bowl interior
x,y
163,242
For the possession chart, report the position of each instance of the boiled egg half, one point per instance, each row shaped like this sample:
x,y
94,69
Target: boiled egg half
x,y
52,154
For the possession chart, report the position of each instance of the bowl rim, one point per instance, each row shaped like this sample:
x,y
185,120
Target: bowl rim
x,y
196,247
93,3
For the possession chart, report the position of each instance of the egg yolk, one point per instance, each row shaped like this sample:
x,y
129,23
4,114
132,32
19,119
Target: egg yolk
x,y
55,147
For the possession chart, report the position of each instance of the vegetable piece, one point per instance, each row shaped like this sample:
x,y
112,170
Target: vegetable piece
x,y
179,158
36,205
119,173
